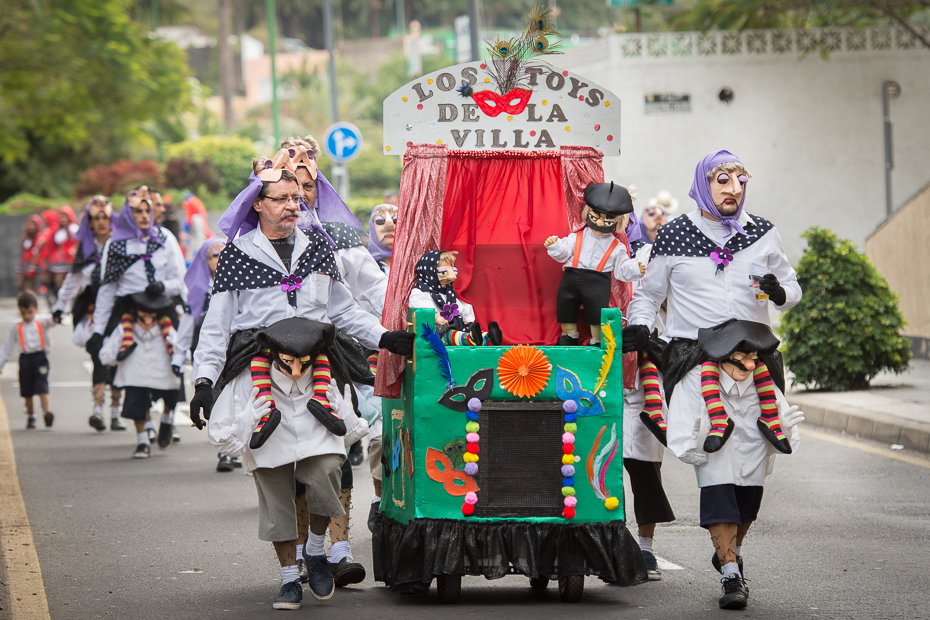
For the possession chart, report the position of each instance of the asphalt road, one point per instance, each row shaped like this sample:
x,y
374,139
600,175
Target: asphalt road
x,y
842,533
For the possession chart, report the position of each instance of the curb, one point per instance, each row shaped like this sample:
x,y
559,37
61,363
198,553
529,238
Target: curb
x,y
863,423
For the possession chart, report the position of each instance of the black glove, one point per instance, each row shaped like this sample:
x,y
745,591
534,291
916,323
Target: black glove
x,y
773,289
56,316
635,338
94,345
155,288
399,342
177,372
202,400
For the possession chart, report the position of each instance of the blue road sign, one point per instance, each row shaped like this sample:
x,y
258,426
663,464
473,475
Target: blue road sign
x,y
342,142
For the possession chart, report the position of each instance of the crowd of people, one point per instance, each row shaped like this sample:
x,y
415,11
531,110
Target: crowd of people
x,y
280,318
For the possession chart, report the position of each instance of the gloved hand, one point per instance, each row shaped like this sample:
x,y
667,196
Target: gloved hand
x,y
356,427
635,338
244,422
770,286
399,342
792,417
56,316
176,370
155,288
202,401
94,345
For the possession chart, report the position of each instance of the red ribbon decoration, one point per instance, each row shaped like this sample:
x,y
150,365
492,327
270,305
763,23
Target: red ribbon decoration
x,y
493,104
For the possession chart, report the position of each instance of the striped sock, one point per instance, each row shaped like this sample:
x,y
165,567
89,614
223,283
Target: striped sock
x,y
710,389
261,378
765,388
373,362
322,374
127,322
457,338
165,324
649,377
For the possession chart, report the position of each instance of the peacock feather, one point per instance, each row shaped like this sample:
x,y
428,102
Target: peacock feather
x,y
510,58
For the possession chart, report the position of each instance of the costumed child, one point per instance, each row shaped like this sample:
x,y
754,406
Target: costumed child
x,y
381,226
315,424
731,389
455,319
81,285
30,337
146,374
589,257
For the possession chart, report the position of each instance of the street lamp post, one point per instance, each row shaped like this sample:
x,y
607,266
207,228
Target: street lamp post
x,y
340,171
890,90
272,30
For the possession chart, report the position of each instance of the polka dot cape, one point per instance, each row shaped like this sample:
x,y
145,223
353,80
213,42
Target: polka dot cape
x,y
681,237
118,261
343,235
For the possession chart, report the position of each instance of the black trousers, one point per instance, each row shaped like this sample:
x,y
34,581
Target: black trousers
x,y
650,504
582,288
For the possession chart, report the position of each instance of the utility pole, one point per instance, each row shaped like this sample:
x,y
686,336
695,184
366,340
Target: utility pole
x,y
156,16
225,65
272,30
401,17
340,171
473,30
890,90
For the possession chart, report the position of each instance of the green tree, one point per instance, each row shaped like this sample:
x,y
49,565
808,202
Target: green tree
x,y
847,327
231,157
80,82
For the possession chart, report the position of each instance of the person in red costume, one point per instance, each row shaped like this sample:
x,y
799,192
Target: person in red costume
x,y
29,248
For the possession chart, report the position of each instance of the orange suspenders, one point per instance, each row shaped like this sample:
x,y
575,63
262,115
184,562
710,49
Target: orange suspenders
x,y
579,238
22,341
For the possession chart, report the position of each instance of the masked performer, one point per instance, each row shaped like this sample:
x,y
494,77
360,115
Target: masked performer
x,y
381,226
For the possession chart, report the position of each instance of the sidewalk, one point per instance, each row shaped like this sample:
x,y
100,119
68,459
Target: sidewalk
x,y
896,410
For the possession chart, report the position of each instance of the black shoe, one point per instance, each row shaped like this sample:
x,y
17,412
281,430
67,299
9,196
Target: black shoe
x,y
264,429
372,515
116,425
653,427
652,566
477,336
781,445
96,421
356,454
31,423
164,436
236,462
302,570
713,443
495,335
347,572
567,341
125,352
319,579
224,464
715,561
290,596
735,593
327,418
175,437
49,419
143,451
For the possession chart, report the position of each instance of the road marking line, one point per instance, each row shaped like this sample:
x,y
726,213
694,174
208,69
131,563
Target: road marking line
x,y
24,588
859,445
666,565
62,384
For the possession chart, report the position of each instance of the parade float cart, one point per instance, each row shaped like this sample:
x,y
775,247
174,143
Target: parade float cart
x,y
500,459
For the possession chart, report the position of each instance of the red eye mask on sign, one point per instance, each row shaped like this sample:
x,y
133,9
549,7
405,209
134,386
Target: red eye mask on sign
x,y
493,104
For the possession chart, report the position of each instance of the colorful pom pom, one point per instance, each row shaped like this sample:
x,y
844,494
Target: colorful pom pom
x,y
474,405
568,470
567,459
568,448
472,437
473,448
472,416
468,510
611,503
471,469
472,427
571,428
568,438
570,417
570,501
568,512
568,481
470,458
471,498
566,491
569,406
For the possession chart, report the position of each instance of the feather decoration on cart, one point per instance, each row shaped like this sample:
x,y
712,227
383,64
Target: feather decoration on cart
x,y
610,345
598,464
436,344
510,58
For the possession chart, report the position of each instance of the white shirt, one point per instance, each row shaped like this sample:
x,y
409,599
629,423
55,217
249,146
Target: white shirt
x,y
30,338
320,298
364,278
699,297
149,364
298,436
747,458
593,249
422,299
171,242
75,282
134,279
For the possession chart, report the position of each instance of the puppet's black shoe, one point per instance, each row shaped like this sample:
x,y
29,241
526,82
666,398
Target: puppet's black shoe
x,y
713,443
477,336
290,596
320,579
347,572
495,335
224,464
567,341
126,352
372,515
653,427
735,593
715,561
652,566
164,436
264,429
327,418
781,445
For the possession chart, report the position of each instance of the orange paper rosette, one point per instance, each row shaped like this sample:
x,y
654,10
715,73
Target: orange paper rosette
x,y
524,371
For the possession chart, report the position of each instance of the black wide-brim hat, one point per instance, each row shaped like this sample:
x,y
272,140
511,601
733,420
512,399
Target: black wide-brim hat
x,y
720,342
151,303
297,336
608,198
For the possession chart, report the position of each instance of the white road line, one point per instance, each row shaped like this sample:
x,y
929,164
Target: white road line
x,y
62,384
666,565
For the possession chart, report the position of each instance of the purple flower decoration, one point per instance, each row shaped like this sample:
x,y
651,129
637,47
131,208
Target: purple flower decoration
x,y
291,283
721,256
146,257
449,311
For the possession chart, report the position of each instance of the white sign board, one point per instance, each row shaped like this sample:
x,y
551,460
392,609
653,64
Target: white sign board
x,y
555,108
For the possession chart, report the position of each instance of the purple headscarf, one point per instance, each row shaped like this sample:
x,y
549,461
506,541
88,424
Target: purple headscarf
x,y
377,249
330,207
635,230
125,227
85,233
700,190
198,276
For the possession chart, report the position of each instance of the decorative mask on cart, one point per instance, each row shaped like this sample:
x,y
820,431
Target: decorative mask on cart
x,y
568,387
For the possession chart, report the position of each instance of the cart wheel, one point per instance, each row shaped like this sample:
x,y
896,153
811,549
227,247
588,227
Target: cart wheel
x,y
449,587
571,587
539,583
